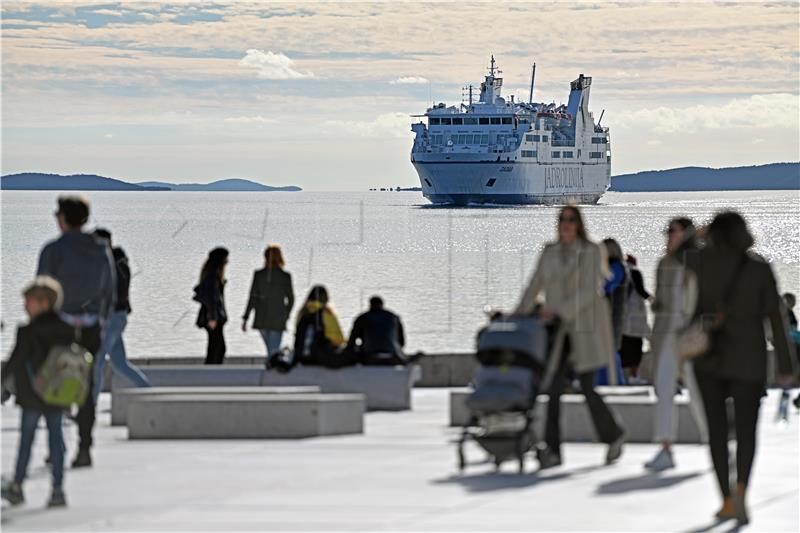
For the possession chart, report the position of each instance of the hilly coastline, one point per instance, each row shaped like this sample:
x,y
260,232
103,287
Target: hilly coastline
x,y
35,181
775,176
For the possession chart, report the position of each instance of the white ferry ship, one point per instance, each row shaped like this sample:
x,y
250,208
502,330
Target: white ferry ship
x,y
505,152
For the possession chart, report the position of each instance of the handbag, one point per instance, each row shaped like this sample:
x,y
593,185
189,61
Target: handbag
x,y
695,338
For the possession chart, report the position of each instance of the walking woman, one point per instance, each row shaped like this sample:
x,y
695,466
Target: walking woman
x,y
673,305
736,293
272,297
635,327
210,293
570,274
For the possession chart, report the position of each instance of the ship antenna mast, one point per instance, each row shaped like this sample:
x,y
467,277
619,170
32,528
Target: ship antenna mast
x,y
533,77
491,68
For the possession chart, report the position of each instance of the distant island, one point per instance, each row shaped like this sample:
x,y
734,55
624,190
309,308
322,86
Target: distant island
x,y
231,184
34,181
775,176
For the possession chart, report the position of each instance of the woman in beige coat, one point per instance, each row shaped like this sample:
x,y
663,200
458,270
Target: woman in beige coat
x,y
570,275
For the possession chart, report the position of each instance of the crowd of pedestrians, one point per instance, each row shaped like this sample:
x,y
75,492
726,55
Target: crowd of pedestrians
x,y
709,286
592,296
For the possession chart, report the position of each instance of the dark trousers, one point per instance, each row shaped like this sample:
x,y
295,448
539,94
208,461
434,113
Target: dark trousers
x,y
29,423
746,402
215,352
605,423
90,339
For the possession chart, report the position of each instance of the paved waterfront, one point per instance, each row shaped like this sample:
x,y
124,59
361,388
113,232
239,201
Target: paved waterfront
x,y
400,475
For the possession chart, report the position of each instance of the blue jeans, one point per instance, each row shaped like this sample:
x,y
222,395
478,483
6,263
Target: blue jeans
x,y
272,338
114,347
30,420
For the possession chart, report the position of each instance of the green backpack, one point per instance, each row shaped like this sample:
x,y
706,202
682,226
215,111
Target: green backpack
x,y
64,378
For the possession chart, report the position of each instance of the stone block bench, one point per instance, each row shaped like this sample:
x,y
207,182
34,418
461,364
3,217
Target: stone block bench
x,y
196,375
633,405
386,388
122,398
245,416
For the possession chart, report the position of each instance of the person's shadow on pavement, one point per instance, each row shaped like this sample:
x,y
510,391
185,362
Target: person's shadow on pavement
x,y
648,481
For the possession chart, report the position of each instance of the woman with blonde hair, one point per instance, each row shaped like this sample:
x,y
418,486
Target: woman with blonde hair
x,y
570,277
272,298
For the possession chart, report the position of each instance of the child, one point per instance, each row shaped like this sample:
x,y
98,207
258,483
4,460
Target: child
x,y
34,341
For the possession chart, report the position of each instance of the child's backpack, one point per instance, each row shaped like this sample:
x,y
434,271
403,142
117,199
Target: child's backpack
x,y
64,378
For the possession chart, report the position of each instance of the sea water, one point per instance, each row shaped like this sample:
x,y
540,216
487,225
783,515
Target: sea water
x,y
436,267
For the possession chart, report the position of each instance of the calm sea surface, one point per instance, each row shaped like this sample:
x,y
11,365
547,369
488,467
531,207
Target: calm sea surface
x,y
436,267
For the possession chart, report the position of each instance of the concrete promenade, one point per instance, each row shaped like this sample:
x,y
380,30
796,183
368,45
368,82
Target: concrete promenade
x,y
399,475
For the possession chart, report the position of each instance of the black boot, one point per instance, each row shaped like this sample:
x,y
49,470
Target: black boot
x,y
83,459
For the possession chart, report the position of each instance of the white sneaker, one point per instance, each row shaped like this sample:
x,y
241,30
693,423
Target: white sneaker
x,y
662,461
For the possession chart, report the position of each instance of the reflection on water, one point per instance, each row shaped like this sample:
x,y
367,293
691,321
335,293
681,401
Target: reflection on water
x,y
436,267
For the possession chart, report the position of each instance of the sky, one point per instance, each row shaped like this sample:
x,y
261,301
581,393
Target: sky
x,y
320,94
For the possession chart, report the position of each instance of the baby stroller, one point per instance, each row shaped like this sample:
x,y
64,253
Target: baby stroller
x,y
513,355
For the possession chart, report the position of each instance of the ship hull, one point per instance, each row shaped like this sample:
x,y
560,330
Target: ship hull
x,y
512,183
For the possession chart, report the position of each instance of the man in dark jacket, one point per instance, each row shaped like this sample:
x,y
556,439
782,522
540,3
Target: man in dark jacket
x,y
377,336
34,341
85,270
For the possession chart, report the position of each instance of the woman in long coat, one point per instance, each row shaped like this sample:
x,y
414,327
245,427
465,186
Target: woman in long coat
x,y
570,275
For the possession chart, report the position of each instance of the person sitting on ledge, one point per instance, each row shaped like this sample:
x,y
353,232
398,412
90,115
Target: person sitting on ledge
x,y
318,339
377,336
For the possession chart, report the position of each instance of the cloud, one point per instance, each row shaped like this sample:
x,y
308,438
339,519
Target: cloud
x,y
107,12
257,119
409,80
384,125
272,66
109,135
757,111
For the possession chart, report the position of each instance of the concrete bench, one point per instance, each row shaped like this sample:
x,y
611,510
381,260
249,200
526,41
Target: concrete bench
x,y
634,407
196,375
122,398
245,416
386,388
447,370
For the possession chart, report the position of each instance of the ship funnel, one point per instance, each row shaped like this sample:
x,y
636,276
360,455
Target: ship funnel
x,y
579,95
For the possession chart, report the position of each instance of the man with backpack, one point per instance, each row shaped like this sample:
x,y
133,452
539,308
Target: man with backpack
x,y
37,343
85,269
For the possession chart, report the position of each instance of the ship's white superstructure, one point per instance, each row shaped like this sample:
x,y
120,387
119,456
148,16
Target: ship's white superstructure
x,y
496,151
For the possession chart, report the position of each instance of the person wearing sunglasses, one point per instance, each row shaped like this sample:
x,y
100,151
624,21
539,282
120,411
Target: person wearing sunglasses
x,y
672,307
567,289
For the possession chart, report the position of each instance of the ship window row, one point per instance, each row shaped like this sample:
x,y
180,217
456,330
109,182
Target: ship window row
x,y
437,140
555,155
566,155
448,121
598,140
529,153
532,138
596,155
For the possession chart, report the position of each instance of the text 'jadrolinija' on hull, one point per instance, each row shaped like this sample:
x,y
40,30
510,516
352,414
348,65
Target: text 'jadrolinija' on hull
x,y
494,151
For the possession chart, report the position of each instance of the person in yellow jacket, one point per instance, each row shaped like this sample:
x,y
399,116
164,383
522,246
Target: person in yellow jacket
x,y
318,338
